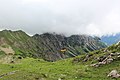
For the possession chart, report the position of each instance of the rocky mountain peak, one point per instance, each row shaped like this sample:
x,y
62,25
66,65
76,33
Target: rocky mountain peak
x,y
49,46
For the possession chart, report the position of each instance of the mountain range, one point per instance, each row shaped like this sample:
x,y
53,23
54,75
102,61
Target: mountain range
x,y
111,39
49,46
24,57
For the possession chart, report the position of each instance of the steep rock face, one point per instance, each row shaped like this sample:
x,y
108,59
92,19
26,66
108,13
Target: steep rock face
x,y
48,46
54,46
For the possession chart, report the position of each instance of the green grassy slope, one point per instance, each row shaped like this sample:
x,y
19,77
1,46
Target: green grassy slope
x,y
34,69
19,41
77,68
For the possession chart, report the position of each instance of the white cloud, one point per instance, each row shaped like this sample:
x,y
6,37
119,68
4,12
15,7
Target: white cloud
x,y
93,29
34,1
94,17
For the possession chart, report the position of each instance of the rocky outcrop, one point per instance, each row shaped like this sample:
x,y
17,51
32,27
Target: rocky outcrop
x,y
98,58
106,59
114,74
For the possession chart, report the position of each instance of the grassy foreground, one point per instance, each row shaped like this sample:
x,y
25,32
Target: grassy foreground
x,y
37,69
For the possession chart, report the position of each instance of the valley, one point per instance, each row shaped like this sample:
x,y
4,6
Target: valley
x,y
22,58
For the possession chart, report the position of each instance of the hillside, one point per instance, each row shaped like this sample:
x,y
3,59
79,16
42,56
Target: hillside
x,y
93,66
111,39
17,43
56,46
50,47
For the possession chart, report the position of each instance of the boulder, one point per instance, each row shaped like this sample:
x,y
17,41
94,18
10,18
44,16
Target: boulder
x,y
114,74
109,60
95,65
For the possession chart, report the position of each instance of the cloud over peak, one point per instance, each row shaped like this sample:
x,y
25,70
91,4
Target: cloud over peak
x,y
94,17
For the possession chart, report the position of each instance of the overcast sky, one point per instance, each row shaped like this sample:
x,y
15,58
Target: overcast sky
x,y
94,17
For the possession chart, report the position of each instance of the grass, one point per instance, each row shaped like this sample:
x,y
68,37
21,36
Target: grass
x,y
38,69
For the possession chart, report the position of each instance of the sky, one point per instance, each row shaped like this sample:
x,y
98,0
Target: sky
x,y
92,17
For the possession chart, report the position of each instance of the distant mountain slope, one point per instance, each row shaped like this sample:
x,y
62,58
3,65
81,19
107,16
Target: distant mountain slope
x,y
52,44
48,46
112,39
